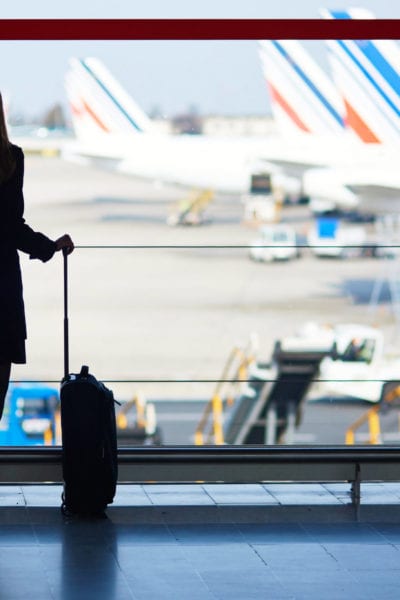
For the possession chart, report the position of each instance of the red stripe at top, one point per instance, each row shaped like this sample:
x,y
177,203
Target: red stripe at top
x,y
197,29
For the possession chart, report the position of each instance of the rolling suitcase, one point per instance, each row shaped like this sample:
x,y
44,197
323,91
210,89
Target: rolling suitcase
x,y
89,439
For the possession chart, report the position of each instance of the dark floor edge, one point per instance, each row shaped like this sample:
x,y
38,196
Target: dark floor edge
x,y
382,513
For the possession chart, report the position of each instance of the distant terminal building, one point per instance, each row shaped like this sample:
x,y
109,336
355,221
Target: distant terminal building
x,y
238,126
217,125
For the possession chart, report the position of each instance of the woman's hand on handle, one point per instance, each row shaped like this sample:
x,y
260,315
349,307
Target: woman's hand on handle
x,y
65,244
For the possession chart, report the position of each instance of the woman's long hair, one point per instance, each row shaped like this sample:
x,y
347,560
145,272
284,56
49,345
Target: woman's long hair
x,y
7,161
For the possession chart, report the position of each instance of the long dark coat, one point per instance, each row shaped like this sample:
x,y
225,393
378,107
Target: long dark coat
x,y
15,235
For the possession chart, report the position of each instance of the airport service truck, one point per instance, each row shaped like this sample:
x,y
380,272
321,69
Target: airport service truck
x,y
29,415
358,366
331,238
261,204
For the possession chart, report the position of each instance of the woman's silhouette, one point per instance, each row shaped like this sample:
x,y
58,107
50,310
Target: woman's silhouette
x,y
15,235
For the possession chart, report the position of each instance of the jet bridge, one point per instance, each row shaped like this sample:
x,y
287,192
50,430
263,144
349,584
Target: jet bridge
x,y
270,408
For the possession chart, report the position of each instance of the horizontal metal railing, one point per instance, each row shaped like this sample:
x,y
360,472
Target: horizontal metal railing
x,y
224,464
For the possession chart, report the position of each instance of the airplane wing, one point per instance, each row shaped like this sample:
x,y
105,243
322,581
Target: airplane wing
x,y
292,168
377,198
373,191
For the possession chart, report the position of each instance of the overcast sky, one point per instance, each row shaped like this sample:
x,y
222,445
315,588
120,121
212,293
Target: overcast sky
x,y
216,76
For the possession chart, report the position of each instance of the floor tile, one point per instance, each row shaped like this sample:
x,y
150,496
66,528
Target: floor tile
x,y
184,499
343,533
298,575
295,556
365,556
21,588
239,494
248,586
271,533
294,494
319,591
136,497
11,496
206,534
223,557
137,534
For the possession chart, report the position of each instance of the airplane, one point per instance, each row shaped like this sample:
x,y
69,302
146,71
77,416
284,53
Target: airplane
x,y
112,130
309,112
334,153
303,98
367,75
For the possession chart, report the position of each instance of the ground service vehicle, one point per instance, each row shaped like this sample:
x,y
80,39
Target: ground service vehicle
x,y
358,367
276,242
331,238
30,416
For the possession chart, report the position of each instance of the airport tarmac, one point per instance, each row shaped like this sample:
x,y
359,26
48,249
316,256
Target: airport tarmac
x,y
322,423
164,312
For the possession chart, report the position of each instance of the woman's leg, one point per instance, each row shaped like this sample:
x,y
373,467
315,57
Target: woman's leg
x,y
5,370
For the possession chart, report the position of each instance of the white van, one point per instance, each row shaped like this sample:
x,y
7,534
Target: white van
x,y
276,242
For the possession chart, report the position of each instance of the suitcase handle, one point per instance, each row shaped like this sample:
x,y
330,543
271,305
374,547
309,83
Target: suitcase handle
x,y
66,337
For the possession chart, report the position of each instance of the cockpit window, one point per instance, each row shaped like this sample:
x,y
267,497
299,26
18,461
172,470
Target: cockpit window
x,y
360,350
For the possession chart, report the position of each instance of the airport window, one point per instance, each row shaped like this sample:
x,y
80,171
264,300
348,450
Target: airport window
x,y
230,289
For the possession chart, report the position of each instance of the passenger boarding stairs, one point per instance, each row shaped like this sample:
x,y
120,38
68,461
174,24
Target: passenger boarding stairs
x,y
270,405
190,211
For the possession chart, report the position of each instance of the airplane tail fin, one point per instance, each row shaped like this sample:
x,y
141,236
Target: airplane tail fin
x,y
366,73
98,102
303,98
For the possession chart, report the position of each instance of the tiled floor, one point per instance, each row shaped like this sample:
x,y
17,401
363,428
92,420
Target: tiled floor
x,y
204,542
